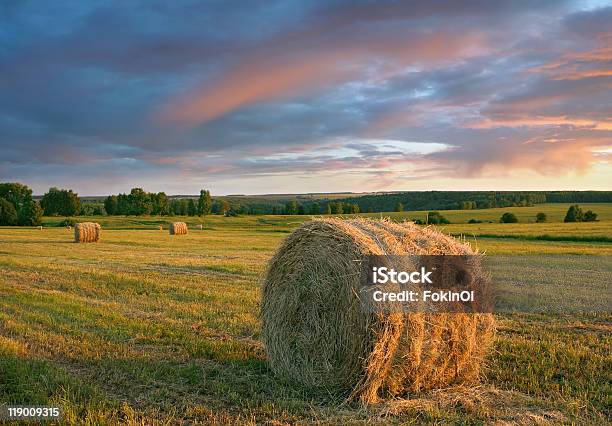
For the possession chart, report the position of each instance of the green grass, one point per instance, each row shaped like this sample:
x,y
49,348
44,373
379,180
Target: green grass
x,y
146,328
555,212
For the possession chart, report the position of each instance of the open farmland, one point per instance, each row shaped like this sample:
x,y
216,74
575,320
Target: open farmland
x,y
144,327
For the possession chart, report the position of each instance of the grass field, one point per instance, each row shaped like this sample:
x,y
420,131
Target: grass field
x,y
146,328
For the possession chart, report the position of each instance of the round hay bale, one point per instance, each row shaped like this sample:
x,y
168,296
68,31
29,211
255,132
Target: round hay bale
x,y
87,232
199,227
178,228
316,332
68,227
161,228
39,228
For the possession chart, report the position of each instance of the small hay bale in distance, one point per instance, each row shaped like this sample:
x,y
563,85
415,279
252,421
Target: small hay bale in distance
x,y
87,232
68,227
316,332
39,228
161,228
199,227
178,228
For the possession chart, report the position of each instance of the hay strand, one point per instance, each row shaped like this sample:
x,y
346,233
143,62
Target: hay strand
x,y
87,232
316,332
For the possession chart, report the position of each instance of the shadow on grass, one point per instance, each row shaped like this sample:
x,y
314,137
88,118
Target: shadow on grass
x,y
103,388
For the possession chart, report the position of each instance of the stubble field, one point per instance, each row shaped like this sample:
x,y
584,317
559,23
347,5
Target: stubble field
x,y
148,328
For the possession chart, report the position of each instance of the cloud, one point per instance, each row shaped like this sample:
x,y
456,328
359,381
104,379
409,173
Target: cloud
x,y
319,94
276,71
585,64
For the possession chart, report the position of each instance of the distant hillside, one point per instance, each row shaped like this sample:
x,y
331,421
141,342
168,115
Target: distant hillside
x,y
451,200
389,201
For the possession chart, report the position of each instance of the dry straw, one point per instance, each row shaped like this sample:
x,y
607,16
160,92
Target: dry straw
x,y
316,332
178,228
87,232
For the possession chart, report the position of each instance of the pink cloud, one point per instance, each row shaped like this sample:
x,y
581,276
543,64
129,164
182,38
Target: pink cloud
x,y
533,121
280,70
593,63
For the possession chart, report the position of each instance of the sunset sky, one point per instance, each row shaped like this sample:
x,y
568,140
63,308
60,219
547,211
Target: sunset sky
x,y
305,96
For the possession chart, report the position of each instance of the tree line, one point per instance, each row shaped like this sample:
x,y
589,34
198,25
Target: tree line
x,y
139,202
294,208
17,206
470,200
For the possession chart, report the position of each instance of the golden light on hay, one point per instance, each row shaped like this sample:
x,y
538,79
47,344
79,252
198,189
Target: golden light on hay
x,y
178,228
87,232
316,332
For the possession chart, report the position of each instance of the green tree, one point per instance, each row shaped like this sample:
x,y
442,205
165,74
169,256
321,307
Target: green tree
x,y
508,218
291,207
123,204
51,201
8,214
71,205
223,207
337,207
184,207
30,214
435,218
175,207
328,209
61,202
399,207
140,202
541,217
204,203
15,193
574,214
192,210
160,205
590,216
110,205
315,208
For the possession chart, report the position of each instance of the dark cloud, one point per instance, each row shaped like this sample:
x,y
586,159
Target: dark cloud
x,y
184,92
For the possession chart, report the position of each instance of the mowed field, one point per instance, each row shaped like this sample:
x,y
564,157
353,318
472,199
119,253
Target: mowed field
x,y
148,328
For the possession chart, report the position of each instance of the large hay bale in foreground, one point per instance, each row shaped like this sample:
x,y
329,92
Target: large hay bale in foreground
x,y
87,232
178,228
316,332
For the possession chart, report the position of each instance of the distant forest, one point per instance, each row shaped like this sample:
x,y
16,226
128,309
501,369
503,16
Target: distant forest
x,y
63,202
470,200
399,201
